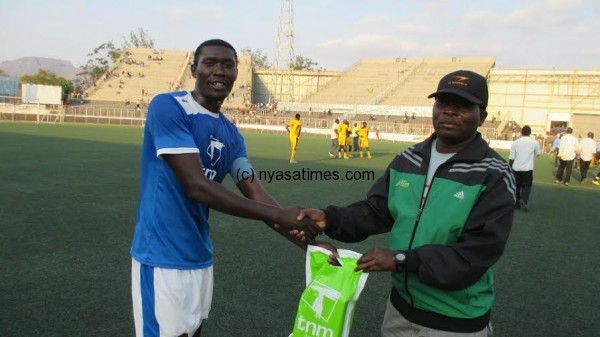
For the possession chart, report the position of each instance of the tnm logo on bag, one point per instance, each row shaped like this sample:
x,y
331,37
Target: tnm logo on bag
x,y
322,300
327,303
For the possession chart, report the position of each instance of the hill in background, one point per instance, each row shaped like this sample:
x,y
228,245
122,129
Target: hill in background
x,y
31,65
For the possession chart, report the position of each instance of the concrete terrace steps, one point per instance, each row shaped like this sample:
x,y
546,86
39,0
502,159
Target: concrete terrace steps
x,y
140,74
364,81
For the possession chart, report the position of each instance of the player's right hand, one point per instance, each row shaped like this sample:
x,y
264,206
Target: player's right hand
x,y
289,219
317,215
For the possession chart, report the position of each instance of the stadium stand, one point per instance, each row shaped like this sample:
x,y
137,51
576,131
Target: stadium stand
x,y
385,92
423,80
362,83
397,81
140,74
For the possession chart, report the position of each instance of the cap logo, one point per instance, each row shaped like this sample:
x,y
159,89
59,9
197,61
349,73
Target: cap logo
x,y
459,80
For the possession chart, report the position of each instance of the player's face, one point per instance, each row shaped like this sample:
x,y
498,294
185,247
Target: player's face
x,y
215,73
455,119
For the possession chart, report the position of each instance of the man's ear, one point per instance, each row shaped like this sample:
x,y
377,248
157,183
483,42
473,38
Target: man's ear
x,y
482,116
193,70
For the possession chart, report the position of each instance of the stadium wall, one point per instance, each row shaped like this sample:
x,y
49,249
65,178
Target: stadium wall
x,y
542,98
275,84
546,99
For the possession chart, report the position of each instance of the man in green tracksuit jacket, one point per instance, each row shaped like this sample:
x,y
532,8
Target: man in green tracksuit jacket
x,y
448,203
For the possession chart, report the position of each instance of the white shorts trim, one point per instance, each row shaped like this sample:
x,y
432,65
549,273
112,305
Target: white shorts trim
x,y
169,302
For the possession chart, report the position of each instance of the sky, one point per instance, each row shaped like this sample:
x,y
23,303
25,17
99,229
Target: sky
x,y
539,34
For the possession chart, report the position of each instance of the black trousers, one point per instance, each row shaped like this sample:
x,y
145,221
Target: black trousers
x,y
524,180
562,166
583,168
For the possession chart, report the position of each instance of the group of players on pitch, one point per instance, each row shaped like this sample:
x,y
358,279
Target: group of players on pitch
x,y
343,138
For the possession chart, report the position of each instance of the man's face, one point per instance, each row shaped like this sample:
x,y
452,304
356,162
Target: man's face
x,y
215,73
455,119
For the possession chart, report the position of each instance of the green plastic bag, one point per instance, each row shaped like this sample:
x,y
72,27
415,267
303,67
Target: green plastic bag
x,y
326,307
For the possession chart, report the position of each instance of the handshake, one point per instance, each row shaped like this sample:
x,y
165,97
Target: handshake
x,y
300,225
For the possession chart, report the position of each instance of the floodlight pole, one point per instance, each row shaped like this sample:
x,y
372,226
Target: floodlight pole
x,y
283,88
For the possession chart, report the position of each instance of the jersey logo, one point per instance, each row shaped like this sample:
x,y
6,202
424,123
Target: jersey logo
x,y
459,195
214,150
403,183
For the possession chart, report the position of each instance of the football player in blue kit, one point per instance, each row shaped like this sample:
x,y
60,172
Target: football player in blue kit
x,y
189,147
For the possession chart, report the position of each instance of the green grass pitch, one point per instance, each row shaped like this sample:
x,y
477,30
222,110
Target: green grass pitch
x,y
68,201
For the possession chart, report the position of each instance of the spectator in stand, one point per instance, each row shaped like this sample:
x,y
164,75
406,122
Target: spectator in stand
x,y
568,150
521,158
588,150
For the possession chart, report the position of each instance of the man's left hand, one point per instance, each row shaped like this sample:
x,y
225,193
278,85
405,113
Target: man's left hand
x,y
376,259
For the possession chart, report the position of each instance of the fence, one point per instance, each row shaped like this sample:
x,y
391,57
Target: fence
x,y
412,130
420,126
14,110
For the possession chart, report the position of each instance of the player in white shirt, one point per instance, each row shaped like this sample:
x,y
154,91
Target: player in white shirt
x,y
568,150
588,151
521,159
334,138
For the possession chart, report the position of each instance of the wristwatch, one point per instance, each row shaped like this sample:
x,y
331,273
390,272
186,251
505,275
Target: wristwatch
x,y
400,259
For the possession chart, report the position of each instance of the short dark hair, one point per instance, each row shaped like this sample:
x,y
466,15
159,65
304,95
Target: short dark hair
x,y
590,134
526,130
213,42
569,130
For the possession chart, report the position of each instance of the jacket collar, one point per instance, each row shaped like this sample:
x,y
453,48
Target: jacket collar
x,y
474,151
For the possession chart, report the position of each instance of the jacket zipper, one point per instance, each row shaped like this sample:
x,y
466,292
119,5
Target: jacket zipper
x,y
412,236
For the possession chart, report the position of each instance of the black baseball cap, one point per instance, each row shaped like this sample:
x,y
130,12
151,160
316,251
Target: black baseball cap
x,y
466,84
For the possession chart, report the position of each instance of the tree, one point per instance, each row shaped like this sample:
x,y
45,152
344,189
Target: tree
x,y
101,60
106,55
2,73
139,39
303,63
259,60
49,78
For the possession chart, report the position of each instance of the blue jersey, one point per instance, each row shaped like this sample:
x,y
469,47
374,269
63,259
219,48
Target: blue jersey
x,y
171,230
556,143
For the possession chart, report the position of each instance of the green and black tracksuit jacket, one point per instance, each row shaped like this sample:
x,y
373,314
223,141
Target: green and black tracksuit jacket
x,y
452,238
